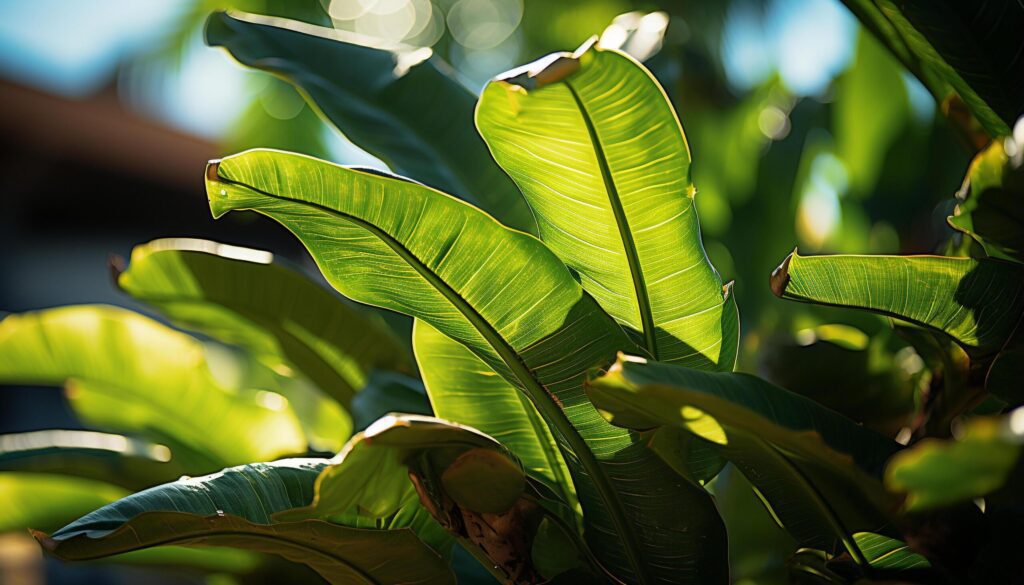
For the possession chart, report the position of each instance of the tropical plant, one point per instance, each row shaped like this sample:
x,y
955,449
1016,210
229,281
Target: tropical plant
x,y
569,403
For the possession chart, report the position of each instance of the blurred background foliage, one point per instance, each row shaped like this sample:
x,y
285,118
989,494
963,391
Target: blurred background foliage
x,y
804,130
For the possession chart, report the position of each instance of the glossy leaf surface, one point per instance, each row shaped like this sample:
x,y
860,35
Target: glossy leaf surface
x,y
594,144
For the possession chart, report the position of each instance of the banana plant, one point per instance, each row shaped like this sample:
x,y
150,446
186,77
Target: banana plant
x,y
579,376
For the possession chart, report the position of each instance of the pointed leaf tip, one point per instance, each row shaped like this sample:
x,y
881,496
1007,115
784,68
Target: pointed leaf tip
x,y
116,264
44,540
211,170
780,276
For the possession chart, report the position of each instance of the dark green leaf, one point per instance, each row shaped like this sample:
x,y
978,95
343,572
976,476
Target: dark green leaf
x,y
234,508
816,470
990,203
399,103
388,392
957,47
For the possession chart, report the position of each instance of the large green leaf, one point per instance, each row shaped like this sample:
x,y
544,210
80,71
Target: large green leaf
x,y
234,508
501,293
130,463
957,47
990,203
817,471
977,302
463,388
594,144
935,472
245,297
399,103
127,373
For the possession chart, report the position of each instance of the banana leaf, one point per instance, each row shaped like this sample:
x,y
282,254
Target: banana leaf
x,y
971,50
816,471
234,508
594,144
248,298
127,373
976,302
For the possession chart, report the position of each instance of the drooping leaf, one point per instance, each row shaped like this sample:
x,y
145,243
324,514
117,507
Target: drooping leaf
x,y
399,103
128,373
817,471
594,144
234,508
957,48
512,302
989,205
468,481
388,392
465,389
247,298
936,472
130,463
977,302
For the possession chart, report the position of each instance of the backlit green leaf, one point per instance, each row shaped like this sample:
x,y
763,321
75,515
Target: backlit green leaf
x,y
247,298
464,388
936,472
990,202
977,302
127,373
594,144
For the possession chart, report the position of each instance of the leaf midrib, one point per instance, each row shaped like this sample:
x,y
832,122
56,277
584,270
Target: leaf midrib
x,y
538,394
621,221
